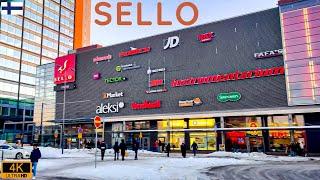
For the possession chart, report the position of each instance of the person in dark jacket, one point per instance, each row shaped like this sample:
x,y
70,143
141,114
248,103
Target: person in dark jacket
x,y
135,147
103,148
123,148
34,157
116,151
168,149
183,150
194,148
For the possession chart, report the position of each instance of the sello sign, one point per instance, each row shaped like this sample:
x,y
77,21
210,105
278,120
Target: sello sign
x,y
126,9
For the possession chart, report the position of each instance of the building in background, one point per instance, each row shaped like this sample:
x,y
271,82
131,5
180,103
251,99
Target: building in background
x,y
46,30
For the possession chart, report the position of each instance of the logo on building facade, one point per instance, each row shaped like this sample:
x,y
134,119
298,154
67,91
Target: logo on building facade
x,y
69,86
112,95
96,76
258,73
135,51
232,96
190,103
64,69
115,79
268,54
171,42
156,83
109,108
102,58
146,105
207,37
127,67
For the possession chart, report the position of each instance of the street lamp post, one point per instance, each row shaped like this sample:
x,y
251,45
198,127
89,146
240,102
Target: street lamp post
x,y
41,122
63,112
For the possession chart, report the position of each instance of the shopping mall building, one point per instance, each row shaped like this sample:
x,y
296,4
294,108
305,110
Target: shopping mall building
x,y
250,82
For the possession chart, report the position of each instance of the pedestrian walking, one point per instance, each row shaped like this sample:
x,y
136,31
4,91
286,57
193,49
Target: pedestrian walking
x,y
194,148
168,149
163,147
155,146
183,148
103,148
34,157
116,151
159,145
123,148
135,147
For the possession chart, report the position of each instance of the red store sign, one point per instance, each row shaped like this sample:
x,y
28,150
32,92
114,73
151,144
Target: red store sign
x,y
207,37
156,82
64,69
135,52
102,58
258,73
146,105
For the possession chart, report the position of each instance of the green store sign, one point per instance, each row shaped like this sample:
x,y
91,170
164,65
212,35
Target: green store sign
x,y
115,79
232,96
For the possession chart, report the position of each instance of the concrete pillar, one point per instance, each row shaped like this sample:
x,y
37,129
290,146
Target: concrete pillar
x,y
168,131
290,118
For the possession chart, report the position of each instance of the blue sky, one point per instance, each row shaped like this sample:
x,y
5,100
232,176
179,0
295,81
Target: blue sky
x,y
209,11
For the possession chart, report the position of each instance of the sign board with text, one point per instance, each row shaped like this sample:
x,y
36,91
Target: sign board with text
x,y
16,169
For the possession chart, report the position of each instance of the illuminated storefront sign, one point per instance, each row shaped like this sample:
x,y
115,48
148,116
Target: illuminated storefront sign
x,y
268,54
190,103
112,95
146,105
115,79
151,71
64,69
171,42
109,108
135,51
102,58
207,37
68,86
232,96
127,67
258,73
156,91
156,82
96,76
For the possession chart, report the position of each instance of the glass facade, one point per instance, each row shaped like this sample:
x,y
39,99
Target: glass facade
x,y
42,33
301,42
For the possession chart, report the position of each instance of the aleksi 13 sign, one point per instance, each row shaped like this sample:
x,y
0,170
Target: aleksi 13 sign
x,y
232,96
64,69
109,108
268,54
171,42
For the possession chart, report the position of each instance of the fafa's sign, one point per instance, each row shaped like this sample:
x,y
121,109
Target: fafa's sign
x,y
268,54
234,76
146,105
102,58
207,37
190,103
112,95
171,42
109,108
65,69
135,51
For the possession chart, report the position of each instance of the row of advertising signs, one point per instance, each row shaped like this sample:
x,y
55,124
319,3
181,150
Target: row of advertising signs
x,y
115,107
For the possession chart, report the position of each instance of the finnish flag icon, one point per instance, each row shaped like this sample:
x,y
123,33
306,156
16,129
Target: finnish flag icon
x,y
11,7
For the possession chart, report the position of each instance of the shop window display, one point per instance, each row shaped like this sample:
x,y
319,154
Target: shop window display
x,y
204,140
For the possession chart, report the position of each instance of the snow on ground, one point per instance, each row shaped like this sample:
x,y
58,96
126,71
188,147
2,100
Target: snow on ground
x,y
51,153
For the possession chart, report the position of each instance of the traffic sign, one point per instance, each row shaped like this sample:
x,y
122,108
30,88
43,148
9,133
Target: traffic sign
x,y
97,121
16,169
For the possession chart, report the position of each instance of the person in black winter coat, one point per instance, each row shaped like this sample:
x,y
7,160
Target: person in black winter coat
x,y
183,150
168,149
103,148
116,151
194,148
34,157
123,148
135,147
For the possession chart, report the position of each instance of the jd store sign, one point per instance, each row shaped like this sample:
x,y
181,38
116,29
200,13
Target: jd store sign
x,y
232,96
171,42
109,108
